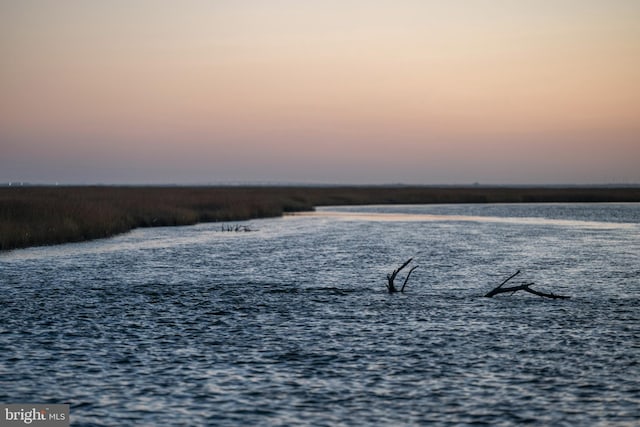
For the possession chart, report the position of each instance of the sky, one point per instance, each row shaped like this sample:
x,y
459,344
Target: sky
x,y
332,91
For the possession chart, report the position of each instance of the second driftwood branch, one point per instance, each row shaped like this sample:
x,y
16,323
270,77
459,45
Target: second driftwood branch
x,y
522,287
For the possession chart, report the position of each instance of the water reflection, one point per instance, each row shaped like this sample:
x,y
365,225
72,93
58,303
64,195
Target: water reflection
x,y
412,217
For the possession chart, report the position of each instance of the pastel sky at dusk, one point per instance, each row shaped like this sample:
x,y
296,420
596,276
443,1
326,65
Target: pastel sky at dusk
x,y
332,91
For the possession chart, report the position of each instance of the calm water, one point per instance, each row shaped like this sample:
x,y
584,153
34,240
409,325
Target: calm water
x,y
290,324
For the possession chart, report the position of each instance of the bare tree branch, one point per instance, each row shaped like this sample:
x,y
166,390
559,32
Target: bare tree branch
x,y
523,287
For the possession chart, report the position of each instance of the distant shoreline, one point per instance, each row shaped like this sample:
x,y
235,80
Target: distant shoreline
x,y
46,215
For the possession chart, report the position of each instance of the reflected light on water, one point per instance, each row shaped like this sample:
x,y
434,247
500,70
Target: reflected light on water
x,y
410,217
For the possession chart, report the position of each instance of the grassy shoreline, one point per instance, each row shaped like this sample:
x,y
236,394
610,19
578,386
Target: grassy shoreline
x,y
34,216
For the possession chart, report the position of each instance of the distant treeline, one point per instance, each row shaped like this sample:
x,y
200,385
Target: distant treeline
x,y
31,216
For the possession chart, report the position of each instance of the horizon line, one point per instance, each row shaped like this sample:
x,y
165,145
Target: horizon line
x,y
318,184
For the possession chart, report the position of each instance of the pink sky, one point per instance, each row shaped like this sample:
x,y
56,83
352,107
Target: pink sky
x,y
421,92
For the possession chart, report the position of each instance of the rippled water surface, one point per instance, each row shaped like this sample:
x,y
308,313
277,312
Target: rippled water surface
x,y
291,324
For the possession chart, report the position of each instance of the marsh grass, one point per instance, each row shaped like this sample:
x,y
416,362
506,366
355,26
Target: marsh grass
x,y
49,215
31,216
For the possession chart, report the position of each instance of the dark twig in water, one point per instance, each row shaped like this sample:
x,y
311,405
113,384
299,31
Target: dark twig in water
x,y
523,287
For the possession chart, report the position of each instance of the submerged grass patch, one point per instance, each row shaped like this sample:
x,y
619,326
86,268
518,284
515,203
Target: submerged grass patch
x,y
31,216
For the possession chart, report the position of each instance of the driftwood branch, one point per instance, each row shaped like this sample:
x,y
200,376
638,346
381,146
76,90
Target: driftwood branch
x,y
391,287
523,287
